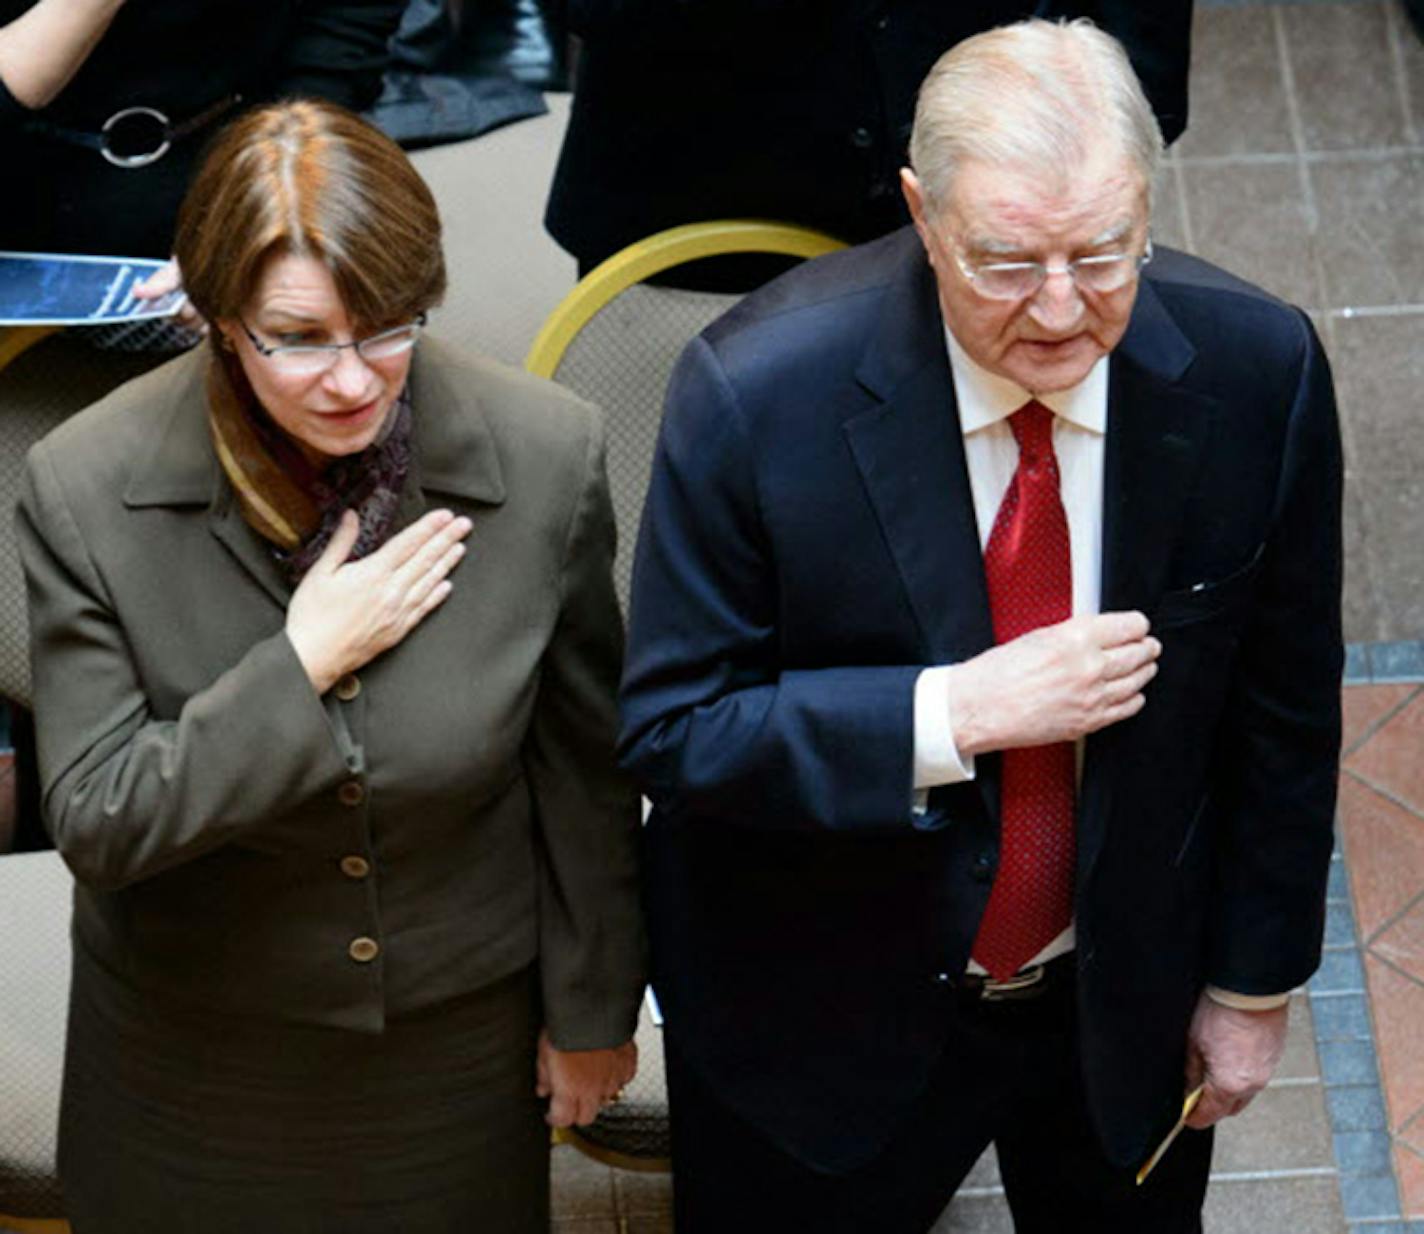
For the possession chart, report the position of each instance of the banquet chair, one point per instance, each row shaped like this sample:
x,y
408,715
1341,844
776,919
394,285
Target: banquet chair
x,y
614,340
34,887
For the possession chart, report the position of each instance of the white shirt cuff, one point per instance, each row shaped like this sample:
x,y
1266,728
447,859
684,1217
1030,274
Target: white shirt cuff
x,y
1247,1002
937,759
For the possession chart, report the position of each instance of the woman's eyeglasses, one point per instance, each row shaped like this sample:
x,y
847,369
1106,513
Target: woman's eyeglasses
x,y
310,359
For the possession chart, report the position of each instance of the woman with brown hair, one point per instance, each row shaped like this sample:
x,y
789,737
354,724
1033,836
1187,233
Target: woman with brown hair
x,y
325,645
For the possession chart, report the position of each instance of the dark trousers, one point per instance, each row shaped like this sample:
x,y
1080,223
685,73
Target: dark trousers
x,y
1009,1075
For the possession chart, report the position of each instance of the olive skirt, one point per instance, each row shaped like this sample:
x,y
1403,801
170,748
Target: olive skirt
x,y
178,1119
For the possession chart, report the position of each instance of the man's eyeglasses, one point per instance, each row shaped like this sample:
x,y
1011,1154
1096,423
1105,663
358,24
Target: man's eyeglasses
x,y
1018,280
310,359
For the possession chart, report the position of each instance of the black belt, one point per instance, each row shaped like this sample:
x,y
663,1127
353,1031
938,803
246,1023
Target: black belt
x,y
135,136
1025,985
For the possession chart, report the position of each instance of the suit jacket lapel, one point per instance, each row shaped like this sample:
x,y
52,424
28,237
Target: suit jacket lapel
x,y
1157,428
182,470
910,453
911,458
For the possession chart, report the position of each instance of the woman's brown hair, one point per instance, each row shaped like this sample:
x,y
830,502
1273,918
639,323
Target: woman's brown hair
x,y
309,178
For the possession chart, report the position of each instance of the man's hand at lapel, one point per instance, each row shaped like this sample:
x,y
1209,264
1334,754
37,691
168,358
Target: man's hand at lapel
x,y
1057,683
1232,1053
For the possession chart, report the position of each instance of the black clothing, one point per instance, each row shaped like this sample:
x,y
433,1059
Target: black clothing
x,y
1008,1072
791,109
180,57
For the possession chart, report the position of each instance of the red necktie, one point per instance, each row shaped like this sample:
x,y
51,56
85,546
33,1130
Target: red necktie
x,y
1030,579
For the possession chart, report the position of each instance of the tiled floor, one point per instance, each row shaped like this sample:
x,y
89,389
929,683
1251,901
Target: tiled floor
x,y
1382,824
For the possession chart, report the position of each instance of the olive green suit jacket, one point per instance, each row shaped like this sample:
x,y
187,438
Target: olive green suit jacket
x,y
447,817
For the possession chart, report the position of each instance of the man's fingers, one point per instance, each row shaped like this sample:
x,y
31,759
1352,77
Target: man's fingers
x,y
1124,710
1211,1109
1114,629
1128,658
1124,688
1216,1104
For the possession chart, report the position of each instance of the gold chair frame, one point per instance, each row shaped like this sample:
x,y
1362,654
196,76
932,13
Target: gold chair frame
x,y
659,252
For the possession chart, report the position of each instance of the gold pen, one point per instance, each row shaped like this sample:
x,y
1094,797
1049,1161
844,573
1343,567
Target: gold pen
x,y
1188,1105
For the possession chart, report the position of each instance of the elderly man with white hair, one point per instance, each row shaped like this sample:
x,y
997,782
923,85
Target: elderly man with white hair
x,y
983,671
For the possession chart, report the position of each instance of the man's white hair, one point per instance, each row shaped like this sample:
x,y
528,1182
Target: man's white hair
x,y
1037,97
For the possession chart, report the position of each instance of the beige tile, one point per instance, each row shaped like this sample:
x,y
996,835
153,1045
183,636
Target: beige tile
x,y
1284,1128
985,1172
1371,217
660,1223
1238,97
1361,610
1343,65
975,1215
580,1187
1379,373
1275,1206
1168,225
1251,219
642,1194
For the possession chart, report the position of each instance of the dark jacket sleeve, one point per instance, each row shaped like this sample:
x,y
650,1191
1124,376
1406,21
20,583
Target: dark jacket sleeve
x,y
126,795
336,49
590,924
1282,740
713,723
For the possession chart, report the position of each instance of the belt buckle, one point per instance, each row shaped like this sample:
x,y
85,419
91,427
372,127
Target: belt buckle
x,y
1012,987
143,115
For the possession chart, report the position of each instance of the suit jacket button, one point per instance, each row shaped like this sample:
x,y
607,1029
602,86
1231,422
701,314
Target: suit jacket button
x,y
348,687
941,979
355,867
363,950
352,793
983,871
862,138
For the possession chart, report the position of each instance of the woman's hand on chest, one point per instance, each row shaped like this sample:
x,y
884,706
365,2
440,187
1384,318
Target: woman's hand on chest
x,y
346,613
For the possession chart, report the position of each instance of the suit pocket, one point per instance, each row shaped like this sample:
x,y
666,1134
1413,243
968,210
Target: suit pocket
x,y
1208,598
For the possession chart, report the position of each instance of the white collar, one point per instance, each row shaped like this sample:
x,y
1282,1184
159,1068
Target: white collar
x,y
985,398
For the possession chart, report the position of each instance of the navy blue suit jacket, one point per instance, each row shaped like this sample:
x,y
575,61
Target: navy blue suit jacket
x,y
809,545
